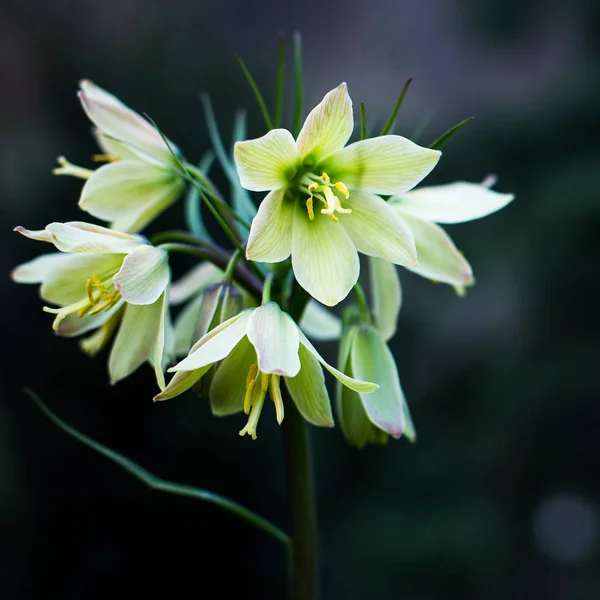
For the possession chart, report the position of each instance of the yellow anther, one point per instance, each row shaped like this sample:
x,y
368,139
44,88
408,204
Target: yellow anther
x,y
250,379
89,288
264,382
104,157
312,186
275,392
257,405
309,208
325,178
341,187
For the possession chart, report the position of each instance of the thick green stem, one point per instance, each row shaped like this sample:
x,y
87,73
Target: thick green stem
x,y
303,557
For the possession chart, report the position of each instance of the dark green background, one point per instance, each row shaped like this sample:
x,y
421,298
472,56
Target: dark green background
x,y
499,497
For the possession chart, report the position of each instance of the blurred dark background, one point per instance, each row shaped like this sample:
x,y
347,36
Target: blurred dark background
x,y
500,496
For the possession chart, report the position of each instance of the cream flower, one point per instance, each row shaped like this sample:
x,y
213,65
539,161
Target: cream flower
x,y
102,278
323,206
259,347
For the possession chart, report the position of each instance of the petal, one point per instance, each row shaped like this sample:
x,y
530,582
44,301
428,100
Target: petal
x,y
216,344
130,193
378,230
159,358
324,257
328,126
77,236
308,391
116,120
144,275
274,335
268,162
386,295
41,235
72,325
319,323
439,259
36,270
389,164
181,382
193,282
371,359
112,147
136,340
185,324
364,387
270,238
228,386
452,203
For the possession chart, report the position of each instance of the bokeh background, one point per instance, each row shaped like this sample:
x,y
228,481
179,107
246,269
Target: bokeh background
x,y
500,496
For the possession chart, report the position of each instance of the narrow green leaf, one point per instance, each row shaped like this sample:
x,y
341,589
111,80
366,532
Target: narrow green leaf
x,y
193,214
280,82
363,122
298,84
446,136
392,119
240,197
156,483
257,94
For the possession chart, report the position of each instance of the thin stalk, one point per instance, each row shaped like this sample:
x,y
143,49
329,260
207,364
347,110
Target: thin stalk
x,y
361,300
280,82
233,261
298,84
259,98
390,122
363,122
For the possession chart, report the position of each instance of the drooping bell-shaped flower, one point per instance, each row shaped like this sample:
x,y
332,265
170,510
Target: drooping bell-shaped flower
x,y
141,178
322,205
423,208
100,280
259,348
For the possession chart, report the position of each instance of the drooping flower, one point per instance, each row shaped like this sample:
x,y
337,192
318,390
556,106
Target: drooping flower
x,y
322,205
259,347
99,280
141,179
421,209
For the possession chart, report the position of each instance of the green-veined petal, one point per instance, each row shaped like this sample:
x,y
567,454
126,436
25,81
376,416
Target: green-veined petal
x,y
73,325
378,230
113,148
274,335
40,235
452,203
77,236
389,164
328,126
185,325
386,296
181,382
144,275
439,259
270,238
320,323
37,269
324,258
268,162
308,391
130,193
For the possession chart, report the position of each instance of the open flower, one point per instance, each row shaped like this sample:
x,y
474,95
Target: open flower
x,y
322,206
456,202
259,347
102,278
141,178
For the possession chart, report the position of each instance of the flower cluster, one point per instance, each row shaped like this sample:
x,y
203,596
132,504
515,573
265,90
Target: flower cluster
x,y
241,335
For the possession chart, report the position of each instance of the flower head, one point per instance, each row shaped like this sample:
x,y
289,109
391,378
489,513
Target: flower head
x,y
322,206
258,348
421,209
102,278
140,179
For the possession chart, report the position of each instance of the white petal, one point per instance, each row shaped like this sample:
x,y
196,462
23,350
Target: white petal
x,y
274,335
216,344
324,257
364,387
112,147
185,324
116,120
72,325
320,323
439,258
270,238
41,235
193,282
453,202
389,164
130,193
36,270
181,382
328,126
378,230
386,295
308,391
144,275
77,236
268,162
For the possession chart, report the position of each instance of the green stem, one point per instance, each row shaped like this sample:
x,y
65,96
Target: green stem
x,y
266,295
303,559
233,261
361,300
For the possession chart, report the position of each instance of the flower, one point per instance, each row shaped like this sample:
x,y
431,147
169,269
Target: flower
x,y
259,347
141,178
456,202
102,278
317,168
371,417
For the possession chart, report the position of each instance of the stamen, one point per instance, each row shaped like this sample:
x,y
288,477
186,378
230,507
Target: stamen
x,y
341,187
104,158
309,208
264,382
275,392
250,427
326,178
250,380
66,168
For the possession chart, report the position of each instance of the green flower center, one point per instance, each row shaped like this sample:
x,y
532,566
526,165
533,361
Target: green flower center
x,y
330,194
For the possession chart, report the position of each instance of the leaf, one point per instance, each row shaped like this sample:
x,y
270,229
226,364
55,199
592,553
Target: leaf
x,y
446,136
392,119
256,90
156,483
